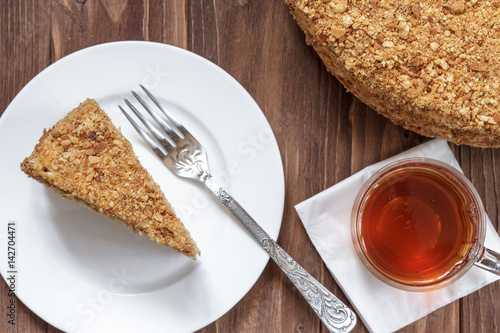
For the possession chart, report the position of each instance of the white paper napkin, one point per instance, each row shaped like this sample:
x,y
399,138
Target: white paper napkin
x,y
382,308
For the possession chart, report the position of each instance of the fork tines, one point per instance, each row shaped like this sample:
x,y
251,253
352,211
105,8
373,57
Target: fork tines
x,y
172,128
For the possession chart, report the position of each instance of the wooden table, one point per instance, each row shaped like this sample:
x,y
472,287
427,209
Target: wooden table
x,y
324,133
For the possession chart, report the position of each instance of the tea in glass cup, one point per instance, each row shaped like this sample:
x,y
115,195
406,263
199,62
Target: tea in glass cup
x,y
418,224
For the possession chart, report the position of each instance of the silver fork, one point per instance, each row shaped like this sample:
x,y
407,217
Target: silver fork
x,y
186,157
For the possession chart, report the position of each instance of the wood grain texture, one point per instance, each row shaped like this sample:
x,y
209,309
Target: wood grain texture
x,y
324,133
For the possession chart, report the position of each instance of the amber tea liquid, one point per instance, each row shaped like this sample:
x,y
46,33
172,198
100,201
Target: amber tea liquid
x,y
417,225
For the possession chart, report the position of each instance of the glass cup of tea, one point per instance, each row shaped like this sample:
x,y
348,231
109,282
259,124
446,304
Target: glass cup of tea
x,y
418,224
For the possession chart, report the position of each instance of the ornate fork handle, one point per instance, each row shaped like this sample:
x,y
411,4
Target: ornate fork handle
x,y
187,158
336,316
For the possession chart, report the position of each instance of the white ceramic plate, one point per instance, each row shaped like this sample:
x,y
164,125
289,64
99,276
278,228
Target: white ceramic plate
x,y
82,273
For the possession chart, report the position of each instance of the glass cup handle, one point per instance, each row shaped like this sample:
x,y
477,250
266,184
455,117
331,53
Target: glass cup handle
x,y
490,261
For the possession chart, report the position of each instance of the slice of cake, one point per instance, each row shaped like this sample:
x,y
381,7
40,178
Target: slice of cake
x,y
85,158
430,66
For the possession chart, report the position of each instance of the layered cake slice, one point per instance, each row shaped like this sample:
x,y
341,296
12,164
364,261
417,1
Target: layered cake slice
x,y
85,158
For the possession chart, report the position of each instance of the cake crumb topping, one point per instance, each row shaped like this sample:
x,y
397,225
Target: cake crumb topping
x,y
85,158
438,58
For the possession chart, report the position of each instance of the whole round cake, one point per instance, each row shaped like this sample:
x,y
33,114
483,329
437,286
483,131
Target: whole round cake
x,y
429,66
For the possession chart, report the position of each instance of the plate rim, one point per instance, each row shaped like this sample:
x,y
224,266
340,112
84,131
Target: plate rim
x,y
7,114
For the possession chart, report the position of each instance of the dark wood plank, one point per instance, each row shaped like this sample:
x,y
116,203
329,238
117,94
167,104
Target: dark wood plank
x,y
482,166
24,35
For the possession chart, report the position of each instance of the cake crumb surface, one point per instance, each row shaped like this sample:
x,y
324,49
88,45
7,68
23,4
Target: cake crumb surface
x,y
84,157
431,66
